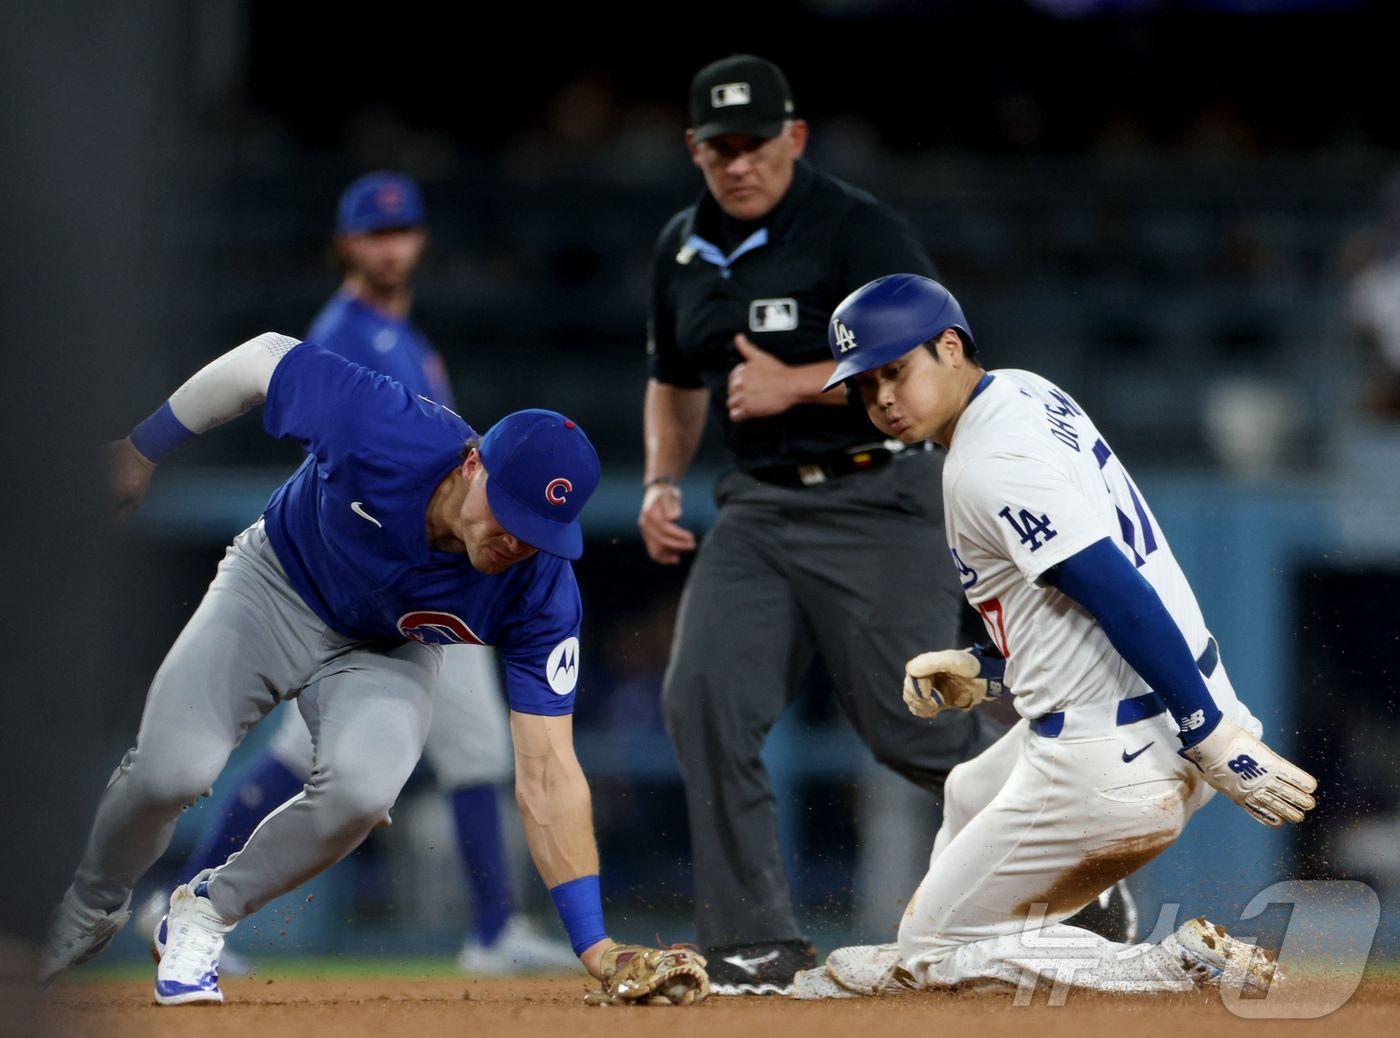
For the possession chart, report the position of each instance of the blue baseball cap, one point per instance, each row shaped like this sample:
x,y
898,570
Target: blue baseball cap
x,y
540,472
377,201
885,319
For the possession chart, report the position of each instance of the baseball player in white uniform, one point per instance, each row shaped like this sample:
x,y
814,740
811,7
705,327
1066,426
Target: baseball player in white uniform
x,y
1129,721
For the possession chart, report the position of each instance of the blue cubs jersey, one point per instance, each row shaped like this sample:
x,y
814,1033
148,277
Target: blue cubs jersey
x,y
389,345
350,529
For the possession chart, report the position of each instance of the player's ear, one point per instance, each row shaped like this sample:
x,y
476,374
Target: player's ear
x,y
950,347
692,146
796,130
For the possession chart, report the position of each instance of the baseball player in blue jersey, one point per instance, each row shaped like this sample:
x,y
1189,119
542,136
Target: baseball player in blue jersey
x,y
1129,721
380,236
400,533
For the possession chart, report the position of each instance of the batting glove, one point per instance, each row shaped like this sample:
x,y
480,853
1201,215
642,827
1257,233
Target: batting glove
x,y
959,678
1252,775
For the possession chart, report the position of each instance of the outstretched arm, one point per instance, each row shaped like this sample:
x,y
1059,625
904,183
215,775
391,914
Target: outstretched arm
x,y
554,805
557,812
219,392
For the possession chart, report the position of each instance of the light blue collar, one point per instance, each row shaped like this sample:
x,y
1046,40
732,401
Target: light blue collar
x,y
710,253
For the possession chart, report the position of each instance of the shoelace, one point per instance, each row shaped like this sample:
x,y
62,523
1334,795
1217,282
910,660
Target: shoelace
x,y
193,950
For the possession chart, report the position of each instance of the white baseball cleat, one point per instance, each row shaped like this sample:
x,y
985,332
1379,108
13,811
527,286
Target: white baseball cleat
x,y
1211,957
870,969
148,919
817,983
188,943
76,934
517,949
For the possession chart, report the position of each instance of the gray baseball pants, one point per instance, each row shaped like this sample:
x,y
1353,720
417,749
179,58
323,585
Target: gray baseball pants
x,y
855,571
251,644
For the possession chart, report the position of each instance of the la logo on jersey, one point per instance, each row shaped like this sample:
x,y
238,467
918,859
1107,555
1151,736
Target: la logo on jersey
x,y
845,338
431,627
557,489
561,669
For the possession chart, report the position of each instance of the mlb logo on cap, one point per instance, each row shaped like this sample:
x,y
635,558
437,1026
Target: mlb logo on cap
x,y
739,94
726,94
379,201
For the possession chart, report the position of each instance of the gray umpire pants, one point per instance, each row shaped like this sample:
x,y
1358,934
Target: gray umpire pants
x,y
855,571
252,643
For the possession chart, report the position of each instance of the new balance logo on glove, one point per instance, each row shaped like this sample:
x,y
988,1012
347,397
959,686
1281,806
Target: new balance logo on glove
x,y
1246,767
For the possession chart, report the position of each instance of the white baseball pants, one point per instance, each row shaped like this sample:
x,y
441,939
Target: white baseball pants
x,y
1034,828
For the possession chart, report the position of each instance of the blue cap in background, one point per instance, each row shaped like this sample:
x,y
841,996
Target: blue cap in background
x,y
377,201
540,472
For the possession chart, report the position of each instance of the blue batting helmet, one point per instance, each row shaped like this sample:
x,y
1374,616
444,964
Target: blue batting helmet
x,y
884,320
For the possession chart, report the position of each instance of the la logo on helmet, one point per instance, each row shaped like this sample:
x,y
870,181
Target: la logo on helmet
x,y
557,490
845,338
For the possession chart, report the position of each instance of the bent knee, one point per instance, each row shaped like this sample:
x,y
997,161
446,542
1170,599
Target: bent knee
x,y
170,780
957,787
358,803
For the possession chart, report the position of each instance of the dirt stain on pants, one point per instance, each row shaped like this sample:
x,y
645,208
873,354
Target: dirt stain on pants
x,y
1097,872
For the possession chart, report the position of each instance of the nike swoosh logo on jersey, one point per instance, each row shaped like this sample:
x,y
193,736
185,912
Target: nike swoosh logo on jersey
x,y
750,966
359,510
1128,758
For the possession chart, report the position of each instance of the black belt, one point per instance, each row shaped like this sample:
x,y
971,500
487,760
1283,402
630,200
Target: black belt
x,y
831,466
1130,711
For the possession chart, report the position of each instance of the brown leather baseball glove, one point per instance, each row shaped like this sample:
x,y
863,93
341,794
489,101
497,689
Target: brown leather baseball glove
x,y
635,976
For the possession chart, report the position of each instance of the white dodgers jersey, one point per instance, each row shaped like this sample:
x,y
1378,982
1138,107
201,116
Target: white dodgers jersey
x,y
1029,481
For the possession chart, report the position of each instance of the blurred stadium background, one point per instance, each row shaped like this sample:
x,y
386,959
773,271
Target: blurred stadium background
x,y
1188,213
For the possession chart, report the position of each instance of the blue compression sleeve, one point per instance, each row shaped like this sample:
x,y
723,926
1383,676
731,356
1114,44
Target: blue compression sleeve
x,y
159,434
1130,612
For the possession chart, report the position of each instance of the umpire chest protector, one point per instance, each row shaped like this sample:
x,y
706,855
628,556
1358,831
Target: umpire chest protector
x,y
777,281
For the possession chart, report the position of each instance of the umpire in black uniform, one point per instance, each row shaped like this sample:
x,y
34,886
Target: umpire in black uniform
x,y
825,533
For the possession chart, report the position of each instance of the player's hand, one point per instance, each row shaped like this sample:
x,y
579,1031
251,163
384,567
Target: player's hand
x,y
664,537
1252,775
949,678
760,386
633,976
128,476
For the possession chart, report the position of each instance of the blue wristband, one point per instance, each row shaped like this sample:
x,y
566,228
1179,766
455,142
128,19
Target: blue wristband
x,y
580,904
159,434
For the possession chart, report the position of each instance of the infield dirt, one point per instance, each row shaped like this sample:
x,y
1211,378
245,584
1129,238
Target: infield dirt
x,y
304,1008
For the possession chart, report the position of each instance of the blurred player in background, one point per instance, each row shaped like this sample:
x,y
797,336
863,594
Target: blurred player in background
x,y
380,237
824,527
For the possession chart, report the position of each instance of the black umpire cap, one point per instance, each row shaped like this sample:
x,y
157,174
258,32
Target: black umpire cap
x,y
739,94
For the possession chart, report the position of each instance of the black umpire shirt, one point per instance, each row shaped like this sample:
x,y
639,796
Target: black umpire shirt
x,y
777,280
